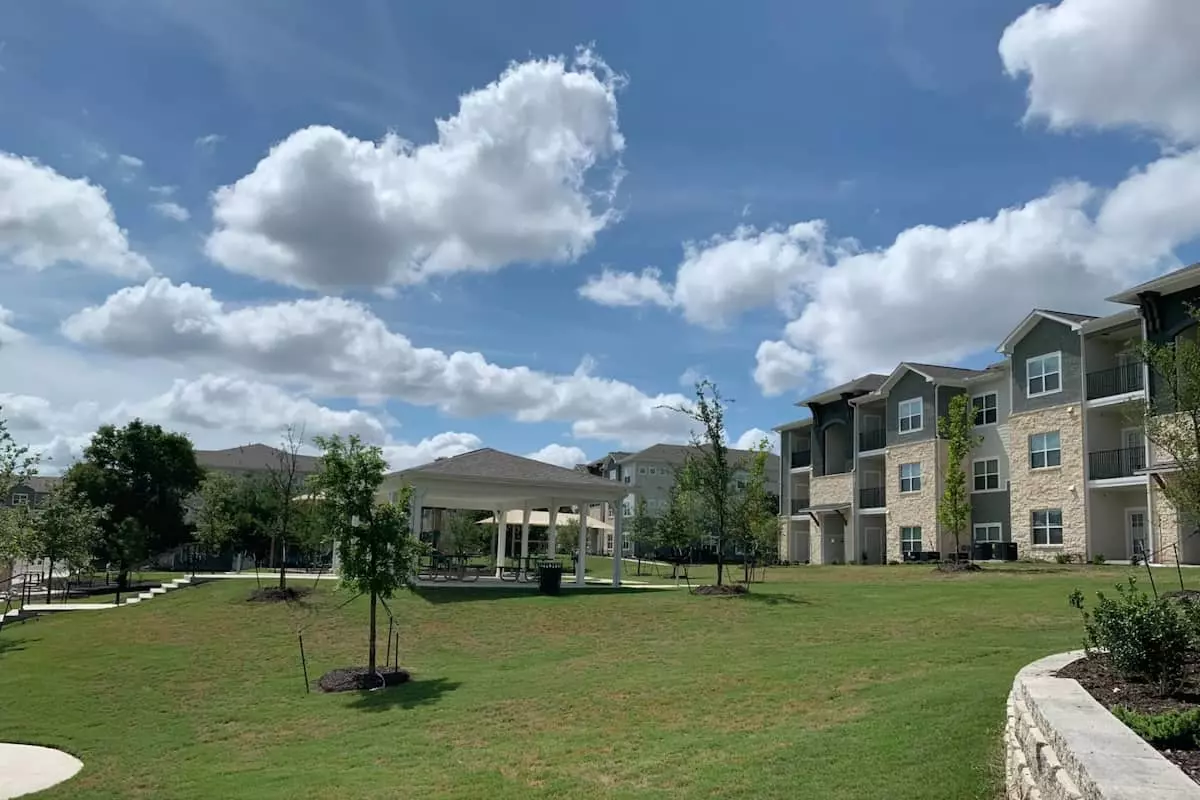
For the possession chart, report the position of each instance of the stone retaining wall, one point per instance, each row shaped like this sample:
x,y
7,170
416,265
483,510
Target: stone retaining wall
x,y
1060,744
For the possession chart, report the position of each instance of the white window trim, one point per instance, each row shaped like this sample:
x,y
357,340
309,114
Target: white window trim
x,y
920,477
23,501
919,540
1043,393
900,415
997,409
1031,451
999,487
976,526
1061,527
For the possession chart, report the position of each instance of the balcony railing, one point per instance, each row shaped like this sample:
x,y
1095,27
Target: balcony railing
x,y
872,498
801,458
798,505
871,440
1121,463
1118,380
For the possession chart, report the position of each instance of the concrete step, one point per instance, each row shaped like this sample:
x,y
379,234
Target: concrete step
x,y
132,601
145,596
158,590
166,587
182,581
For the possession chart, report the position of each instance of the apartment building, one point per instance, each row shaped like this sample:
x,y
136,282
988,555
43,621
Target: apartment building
x,y
1061,467
650,475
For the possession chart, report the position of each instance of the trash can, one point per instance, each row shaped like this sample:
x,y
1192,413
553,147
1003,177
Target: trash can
x,y
550,577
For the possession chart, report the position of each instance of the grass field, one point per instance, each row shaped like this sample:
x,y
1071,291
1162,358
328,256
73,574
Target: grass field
x,y
839,682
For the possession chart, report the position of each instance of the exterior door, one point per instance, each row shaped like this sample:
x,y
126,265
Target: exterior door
x,y
873,541
1137,532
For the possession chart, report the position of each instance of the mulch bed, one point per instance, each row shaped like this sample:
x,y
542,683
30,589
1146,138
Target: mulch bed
x,y
1110,690
957,566
273,594
354,679
724,590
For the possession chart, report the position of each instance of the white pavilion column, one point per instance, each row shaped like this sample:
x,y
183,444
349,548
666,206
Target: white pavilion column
x,y
525,537
415,513
618,547
552,529
581,564
501,544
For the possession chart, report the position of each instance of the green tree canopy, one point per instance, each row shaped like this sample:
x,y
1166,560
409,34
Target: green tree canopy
x,y
64,528
957,429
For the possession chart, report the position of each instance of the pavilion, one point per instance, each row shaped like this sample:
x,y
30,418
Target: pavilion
x,y
489,480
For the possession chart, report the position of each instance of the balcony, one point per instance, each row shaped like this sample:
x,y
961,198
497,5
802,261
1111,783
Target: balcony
x,y
1104,464
1118,380
871,440
872,498
799,504
801,458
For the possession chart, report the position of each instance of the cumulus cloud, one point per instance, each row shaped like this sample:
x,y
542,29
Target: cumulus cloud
x,y
505,182
48,219
612,288
340,348
171,210
1107,63
559,455
132,162
751,439
209,141
8,333
442,445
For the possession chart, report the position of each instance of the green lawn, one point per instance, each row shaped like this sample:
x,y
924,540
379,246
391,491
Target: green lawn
x,y
837,682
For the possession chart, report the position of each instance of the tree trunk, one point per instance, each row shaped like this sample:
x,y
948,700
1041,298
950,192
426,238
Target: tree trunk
x,y
283,574
371,656
720,561
50,577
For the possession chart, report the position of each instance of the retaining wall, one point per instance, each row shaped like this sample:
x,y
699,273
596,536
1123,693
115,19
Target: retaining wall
x,y
1060,744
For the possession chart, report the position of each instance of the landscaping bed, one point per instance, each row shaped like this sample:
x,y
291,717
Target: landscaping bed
x,y
273,594
1095,674
353,679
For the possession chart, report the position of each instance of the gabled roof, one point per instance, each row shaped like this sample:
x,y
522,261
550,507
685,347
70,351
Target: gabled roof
x,y
1177,281
1121,318
860,385
488,464
793,426
678,453
252,458
39,484
934,373
1072,321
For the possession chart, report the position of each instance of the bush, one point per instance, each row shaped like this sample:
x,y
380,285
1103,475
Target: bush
x,y
1062,558
1099,560
1146,639
1170,730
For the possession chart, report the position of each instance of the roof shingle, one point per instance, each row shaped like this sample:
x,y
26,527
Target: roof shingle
x,y
490,464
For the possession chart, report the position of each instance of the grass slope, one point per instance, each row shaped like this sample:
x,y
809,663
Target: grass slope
x,y
835,682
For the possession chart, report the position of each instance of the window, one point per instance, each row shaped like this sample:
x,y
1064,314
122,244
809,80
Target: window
x,y
988,532
641,470
985,408
1047,526
909,412
1043,375
20,499
910,477
910,540
628,478
741,485
986,474
1044,450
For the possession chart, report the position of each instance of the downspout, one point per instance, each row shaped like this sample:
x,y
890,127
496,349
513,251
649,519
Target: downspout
x,y
1087,495
853,486
937,471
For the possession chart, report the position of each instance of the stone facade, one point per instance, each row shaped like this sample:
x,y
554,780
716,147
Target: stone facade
x,y
1062,487
831,489
1164,522
1060,744
912,509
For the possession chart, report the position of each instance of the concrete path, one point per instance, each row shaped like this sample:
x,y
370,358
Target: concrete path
x,y
25,769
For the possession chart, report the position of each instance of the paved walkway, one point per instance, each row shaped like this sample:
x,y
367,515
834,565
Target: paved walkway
x,y
25,769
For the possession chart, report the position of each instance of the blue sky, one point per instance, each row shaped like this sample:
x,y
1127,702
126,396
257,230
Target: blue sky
x,y
872,117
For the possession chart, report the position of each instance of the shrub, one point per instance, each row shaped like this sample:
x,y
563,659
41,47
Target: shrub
x,y
1099,560
1146,639
1062,558
1170,730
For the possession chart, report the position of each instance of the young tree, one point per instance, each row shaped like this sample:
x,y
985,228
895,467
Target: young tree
x,y
378,553
462,535
568,536
285,481
957,429
757,531
680,526
17,465
144,476
1171,421
64,528
709,476
643,530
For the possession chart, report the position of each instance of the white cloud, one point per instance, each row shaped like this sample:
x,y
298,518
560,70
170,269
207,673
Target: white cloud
x,y
442,445
611,288
725,276
690,377
171,210
340,348
778,367
8,333
209,141
132,162
163,191
1107,63
48,219
505,182
559,455
751,439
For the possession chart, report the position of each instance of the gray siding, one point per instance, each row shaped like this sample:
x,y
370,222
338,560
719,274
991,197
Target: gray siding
x,y
992,507
991,444
1173,319
837,416
910,386
944,395
1047,337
